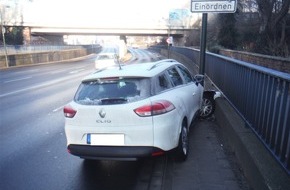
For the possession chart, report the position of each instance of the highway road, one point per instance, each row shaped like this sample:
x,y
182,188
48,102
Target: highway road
x,y
33,151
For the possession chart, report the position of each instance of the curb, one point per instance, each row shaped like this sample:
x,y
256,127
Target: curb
x,y
259,166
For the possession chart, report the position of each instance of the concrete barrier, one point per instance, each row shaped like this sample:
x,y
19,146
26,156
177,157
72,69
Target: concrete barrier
x,y
22,59
259,166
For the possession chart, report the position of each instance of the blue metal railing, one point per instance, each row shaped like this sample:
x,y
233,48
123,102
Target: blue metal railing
x,y
260,95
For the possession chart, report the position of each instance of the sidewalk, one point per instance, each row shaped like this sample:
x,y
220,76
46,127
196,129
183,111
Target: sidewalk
x,y
209,165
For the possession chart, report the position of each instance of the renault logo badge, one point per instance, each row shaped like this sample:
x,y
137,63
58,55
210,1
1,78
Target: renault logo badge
x,y
102,113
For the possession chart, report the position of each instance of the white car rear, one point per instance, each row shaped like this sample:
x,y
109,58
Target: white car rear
x,y
104,60
137,111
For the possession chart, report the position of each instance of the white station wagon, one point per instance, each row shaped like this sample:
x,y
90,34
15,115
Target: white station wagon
x,y
104,60
136,110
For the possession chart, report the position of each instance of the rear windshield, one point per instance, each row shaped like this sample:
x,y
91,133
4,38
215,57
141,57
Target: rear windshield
x,y
112,91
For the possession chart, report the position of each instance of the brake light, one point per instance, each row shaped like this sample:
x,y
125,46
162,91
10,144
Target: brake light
x,y
69,112
156,108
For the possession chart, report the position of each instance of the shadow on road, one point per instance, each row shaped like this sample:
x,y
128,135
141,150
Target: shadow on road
x,y
109,174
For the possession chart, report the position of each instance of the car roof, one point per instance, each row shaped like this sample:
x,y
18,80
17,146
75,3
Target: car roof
x,y
149,69
106,53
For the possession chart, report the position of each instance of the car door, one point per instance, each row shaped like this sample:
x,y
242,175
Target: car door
x,y
182,91
193,92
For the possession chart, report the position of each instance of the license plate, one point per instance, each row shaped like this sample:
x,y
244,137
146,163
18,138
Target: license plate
x,y
106,139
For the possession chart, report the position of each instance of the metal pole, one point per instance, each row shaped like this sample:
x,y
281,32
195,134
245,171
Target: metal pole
x,y
203,44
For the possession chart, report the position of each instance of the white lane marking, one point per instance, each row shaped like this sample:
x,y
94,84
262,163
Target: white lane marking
x,y
15,80
76,71
41,85
26,71
57,71
59,108
65,70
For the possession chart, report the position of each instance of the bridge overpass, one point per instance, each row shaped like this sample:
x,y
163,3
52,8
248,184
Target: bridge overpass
x,y
156,31
54,25
56,33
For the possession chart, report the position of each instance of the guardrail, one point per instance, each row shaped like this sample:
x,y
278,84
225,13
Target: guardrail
x,y
34,48
260,95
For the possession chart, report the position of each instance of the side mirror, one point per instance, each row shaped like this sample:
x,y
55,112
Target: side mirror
x,y
199,79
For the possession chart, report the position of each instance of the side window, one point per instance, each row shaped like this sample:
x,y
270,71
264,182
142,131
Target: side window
x,y
162,83
186,74
175,77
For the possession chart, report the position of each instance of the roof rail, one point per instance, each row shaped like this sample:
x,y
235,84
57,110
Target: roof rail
x,y
160,62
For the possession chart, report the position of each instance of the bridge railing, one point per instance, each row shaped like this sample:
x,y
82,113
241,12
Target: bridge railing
x,y
260,95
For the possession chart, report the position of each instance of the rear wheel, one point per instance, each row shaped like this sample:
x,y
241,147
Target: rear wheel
x,y
208,106
183,146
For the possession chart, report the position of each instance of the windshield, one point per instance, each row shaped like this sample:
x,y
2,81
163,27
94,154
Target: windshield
x,y
119,91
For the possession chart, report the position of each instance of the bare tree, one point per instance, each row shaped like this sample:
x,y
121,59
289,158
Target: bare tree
x,y
272,29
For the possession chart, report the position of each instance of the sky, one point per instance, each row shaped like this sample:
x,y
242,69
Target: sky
x,y
116,13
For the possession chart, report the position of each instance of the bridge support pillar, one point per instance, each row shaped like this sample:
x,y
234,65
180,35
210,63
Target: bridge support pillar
x,y
179,41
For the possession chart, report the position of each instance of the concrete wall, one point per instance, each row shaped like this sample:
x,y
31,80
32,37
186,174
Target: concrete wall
x,y
44,57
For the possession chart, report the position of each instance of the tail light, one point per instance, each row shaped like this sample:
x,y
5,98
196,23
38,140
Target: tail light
x,y
156,108
69,112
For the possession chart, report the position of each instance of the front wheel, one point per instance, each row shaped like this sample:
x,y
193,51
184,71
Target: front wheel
x,y
183,146
208,106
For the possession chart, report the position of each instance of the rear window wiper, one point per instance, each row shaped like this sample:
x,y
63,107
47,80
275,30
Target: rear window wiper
x,y
108,101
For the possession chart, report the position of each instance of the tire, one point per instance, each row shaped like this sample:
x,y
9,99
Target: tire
x,y
183,145
208,106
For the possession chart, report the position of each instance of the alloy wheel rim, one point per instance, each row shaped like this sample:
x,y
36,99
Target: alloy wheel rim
x,y
206,107
184,141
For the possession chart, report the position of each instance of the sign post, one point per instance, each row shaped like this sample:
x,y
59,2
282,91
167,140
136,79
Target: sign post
x,y
209,6
202,44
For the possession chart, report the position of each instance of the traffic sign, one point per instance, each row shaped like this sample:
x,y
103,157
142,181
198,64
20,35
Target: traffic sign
x,y
170,40
212,6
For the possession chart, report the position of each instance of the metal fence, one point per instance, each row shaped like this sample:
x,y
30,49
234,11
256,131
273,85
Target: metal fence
x,y
34,48
260,95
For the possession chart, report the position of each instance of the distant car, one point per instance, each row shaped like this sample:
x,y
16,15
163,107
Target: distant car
x,y
135,46
135,111
104,60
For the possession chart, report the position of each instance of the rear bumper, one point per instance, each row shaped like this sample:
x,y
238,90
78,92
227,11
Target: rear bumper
x,y
113,152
